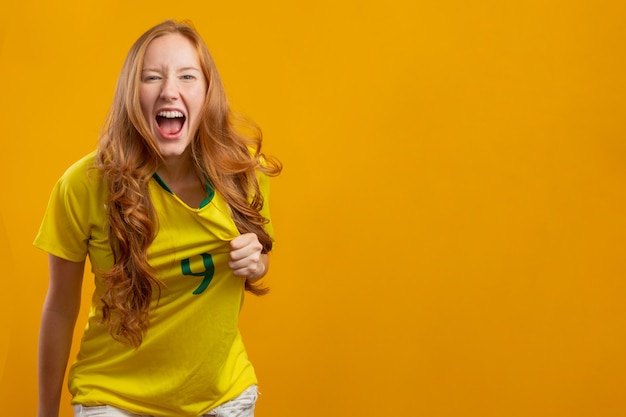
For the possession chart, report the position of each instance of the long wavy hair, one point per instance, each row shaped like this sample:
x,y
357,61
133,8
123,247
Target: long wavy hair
x,y
128,156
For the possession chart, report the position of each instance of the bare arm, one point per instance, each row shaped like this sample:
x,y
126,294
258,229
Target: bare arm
x,y
59,315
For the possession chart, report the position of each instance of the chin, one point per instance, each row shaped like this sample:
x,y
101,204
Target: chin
x,y
172,151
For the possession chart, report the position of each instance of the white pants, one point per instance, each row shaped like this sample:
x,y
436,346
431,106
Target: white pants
x,y
242,406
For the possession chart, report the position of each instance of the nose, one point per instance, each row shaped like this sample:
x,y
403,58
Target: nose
x,y
169,89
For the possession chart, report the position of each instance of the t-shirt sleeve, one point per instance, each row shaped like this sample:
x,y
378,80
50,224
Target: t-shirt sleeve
x,y
65,229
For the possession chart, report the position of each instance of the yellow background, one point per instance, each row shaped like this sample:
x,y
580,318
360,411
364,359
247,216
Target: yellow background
x,y
451,220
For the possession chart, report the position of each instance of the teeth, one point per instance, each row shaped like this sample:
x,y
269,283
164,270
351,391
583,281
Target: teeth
x,y
170,114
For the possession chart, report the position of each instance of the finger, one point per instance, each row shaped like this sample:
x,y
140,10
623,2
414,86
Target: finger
x,y
244,240
252,249
244,256
245,268
241,268
243,253
240,241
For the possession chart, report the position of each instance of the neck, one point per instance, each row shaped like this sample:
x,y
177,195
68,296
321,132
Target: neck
x,y
177,169
181,178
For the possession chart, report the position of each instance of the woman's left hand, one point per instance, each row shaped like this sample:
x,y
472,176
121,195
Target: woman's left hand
x,y
246,257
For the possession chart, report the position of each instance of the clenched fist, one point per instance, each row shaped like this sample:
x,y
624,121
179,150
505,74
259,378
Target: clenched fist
x,y
246,257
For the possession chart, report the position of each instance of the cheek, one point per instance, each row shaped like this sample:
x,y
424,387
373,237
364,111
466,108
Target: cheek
x,y
145,102
200,101
201,98
199,92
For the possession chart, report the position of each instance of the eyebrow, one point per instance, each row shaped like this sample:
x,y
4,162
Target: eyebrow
x,y
190,68
179,70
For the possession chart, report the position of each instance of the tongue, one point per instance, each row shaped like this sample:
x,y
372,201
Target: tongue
x,y
171,126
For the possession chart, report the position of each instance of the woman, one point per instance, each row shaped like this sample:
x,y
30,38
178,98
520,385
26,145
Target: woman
x,y
171,210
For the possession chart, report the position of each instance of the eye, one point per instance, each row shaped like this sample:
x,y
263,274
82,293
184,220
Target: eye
x,y
188,77
148,78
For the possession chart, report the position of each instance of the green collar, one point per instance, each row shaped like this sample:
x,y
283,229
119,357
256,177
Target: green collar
x,y
210,192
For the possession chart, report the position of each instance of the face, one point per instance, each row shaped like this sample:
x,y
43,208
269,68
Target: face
x,y
172,92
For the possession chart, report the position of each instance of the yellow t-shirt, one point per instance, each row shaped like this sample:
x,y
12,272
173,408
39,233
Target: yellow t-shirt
x,y
192,358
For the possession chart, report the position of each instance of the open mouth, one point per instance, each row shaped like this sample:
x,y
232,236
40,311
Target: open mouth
x,y
170,122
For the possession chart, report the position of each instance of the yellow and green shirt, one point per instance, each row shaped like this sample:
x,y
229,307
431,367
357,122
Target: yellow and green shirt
x,y
192,358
